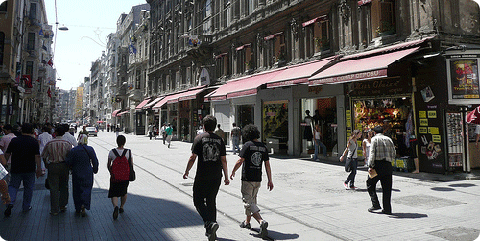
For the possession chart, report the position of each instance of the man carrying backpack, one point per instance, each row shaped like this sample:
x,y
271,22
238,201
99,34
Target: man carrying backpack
x,y
169,134
120,166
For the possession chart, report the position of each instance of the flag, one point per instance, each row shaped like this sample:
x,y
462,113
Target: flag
x,y
41,32
133,49
38,79
50,62
49,93
473,117
27,80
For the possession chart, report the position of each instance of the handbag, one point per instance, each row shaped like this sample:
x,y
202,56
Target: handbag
x,y
348,162
132,172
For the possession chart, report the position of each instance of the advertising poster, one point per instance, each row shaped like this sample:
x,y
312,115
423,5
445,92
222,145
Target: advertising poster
x,y
464,79
430,141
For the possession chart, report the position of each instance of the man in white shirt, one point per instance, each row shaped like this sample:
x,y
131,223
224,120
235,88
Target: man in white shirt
x,y
68,137
43,139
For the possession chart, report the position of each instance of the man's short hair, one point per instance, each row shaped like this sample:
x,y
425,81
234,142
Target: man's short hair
x,y
121,140
218,125
27,128
250,132
8,127
209,123
234,124
378,129
60,130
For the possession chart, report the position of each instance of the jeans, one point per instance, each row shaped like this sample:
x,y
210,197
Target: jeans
x,y
351,176
384,170
28,185
235,144
150,134
204,199
58,179
319,144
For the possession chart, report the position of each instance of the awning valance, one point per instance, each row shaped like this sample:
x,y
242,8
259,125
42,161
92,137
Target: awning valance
x,y
142,104
123,113
317,19
115,112
156,100
297,74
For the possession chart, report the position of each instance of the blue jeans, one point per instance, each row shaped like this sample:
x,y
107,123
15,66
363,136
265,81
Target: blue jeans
x,y
235,144
318,144
351,177
28,184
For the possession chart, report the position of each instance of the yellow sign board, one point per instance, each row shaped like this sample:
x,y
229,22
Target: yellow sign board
x,y
423,122
437,138
422,114
422,130
432,114
434,130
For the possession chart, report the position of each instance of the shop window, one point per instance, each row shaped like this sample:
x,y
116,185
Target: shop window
x,y
383,17
244,115
275,125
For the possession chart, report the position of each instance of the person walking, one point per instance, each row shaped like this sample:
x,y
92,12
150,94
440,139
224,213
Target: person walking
x,y
4,185
25,156
4,142
163,133
54,155
150,130
236,134
252,155
169,134
382,153
211,153
43,139
117,130
118,189
366,143
351,161
317,134
221,133
68,136
83,162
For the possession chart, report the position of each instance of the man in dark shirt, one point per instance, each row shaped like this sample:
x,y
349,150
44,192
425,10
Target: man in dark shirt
x,y
25,153
252,155
211,152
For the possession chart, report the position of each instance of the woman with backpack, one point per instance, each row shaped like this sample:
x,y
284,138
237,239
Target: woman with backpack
x,y
351,162
83,162
120,164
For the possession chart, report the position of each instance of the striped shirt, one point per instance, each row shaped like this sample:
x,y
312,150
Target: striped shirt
x,y
56,150
382,148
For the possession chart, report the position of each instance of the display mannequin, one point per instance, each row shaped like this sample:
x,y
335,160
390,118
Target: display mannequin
x,y
307,133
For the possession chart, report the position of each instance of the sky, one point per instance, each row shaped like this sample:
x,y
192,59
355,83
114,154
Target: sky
x,y
88,22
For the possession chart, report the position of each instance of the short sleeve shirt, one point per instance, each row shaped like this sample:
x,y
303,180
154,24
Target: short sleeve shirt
x,y
23,150
254,154
111,155
209,148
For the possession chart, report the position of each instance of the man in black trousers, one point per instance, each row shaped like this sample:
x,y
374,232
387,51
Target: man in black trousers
x,y
382,153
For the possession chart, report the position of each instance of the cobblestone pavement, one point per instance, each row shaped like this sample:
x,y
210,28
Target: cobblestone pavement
x,y
308,202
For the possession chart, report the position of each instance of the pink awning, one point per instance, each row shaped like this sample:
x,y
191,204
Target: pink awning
x,y
297,74
143,103
244,86
149,105
318,19
122,113
189,95
114,113
163,101
359,69
363,2
242,47
272,36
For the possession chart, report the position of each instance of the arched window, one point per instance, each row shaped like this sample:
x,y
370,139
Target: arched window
x,y
4,6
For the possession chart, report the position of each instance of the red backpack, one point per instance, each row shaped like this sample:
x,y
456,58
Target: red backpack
x,y
120,169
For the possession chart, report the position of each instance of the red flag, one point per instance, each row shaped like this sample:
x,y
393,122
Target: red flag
x,y
49,93
38,80
50,62
27,80
473,117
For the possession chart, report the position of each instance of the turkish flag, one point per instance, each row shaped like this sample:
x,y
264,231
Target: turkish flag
x,y
50,62
49,93
27,80
473,117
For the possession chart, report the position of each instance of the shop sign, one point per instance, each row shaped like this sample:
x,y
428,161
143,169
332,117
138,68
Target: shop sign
x,y
464,79
380,87
357,76
315,89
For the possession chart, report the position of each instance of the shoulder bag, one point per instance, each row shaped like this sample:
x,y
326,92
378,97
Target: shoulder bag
x,y
348,162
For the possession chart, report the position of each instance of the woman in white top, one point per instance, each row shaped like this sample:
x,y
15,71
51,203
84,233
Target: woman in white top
x,y
351,154
367,142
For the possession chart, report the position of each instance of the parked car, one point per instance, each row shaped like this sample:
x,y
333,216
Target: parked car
x,y
91,130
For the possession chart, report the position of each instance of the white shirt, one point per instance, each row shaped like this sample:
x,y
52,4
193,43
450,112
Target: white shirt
x,y
68,137
111,155
44,138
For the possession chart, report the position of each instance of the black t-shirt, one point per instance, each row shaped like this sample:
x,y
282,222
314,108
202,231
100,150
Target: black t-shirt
x,y
254,153
23,150
209,148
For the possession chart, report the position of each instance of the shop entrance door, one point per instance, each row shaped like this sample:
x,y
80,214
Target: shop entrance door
x,y
275,126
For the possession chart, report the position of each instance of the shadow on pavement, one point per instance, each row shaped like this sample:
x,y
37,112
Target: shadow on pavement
x,y
282,236
144,218
408,215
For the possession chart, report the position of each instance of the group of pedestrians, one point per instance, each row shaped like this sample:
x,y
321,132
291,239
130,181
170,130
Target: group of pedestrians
x,y
210,150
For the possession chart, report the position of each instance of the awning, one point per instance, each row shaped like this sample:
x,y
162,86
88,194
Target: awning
x,y
318,19
188,95
297,74
122,113
242,87
272,36
115,112
143,103
149,105
363,2
242,47
359,69
164,101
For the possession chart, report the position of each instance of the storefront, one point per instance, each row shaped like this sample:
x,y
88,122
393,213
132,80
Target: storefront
x,y
275,125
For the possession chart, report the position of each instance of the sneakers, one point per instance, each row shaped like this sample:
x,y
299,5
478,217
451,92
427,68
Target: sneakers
x,y
212,233
345,184
245,225
263,229
115,213
373,208
82,211
353,187
121,210
8,211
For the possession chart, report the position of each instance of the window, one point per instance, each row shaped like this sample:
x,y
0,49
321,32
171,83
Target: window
x,y
383,17
3,6
29,68
2,46
279,47
31,41
33,10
